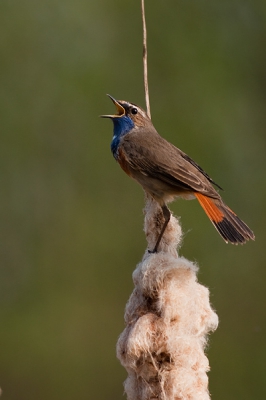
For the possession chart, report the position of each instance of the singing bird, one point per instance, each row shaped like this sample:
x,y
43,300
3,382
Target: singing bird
x,y
165,172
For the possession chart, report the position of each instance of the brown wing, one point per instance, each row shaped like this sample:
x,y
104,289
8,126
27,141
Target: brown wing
x,y
151,155
186,157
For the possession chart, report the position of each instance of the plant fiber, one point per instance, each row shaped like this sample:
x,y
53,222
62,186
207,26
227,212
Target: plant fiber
x,y
168,317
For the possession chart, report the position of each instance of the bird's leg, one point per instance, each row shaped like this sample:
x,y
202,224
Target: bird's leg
x,y
167,215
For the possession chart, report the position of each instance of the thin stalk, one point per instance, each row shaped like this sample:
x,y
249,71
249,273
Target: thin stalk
x,y
145,61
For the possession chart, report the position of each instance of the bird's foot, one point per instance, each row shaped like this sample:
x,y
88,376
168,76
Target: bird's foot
x,y
153,251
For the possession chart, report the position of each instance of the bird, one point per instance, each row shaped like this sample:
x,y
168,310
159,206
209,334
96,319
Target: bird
x,y
166,172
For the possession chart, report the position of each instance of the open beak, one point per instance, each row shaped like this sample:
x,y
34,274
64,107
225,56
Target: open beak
x,y
120,109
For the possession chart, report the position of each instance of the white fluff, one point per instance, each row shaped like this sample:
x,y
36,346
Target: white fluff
x,y
168,317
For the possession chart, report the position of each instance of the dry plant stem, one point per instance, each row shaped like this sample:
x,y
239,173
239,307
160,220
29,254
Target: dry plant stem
x,y
168,317
145,63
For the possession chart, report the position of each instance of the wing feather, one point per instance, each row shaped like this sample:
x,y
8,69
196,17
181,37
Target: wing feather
x,y
153,156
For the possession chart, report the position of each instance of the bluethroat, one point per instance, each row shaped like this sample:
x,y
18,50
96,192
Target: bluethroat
x,y
165,172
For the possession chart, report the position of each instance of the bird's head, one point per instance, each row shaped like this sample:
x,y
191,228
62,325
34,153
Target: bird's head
x,y
128,116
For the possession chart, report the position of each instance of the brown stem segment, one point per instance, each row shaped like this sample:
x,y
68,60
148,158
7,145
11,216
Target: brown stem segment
x,y
145,63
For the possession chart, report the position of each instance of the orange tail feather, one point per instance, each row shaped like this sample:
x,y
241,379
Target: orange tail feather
x,y
227,223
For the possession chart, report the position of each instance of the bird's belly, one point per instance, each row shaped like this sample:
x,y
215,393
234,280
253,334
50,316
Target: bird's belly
x,y
161,191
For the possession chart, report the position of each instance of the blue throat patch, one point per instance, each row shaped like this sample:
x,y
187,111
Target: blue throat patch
x,y
122,125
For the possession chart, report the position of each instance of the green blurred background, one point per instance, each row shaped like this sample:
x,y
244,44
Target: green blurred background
x,y
71,220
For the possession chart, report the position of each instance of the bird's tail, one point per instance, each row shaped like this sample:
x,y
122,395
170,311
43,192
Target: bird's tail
x,y
227,223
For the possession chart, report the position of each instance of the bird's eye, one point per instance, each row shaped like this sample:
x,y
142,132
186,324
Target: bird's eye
x,y
134,110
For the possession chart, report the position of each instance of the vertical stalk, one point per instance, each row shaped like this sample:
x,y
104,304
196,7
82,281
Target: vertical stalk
x,y
145,60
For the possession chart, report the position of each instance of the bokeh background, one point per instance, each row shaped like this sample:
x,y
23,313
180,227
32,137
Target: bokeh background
x,y
71,221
